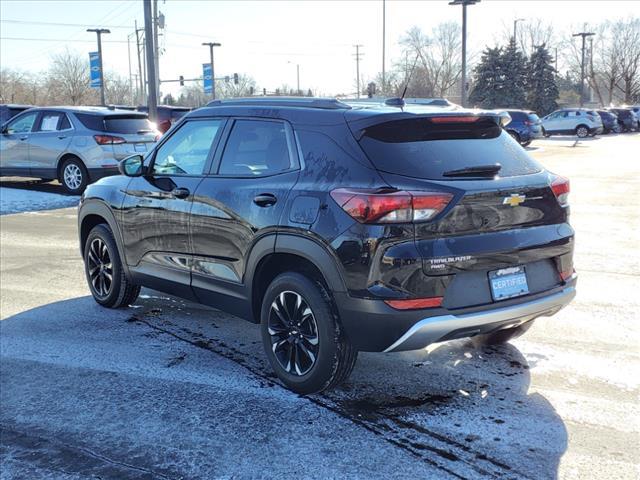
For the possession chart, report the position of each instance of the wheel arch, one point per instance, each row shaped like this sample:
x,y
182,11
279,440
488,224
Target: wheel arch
x,y
95,212
63,158
288,252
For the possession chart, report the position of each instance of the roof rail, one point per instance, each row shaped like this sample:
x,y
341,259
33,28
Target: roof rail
x,y
305,102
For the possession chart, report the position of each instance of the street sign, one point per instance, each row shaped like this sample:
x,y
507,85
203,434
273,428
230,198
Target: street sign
x,y
94,69
207,76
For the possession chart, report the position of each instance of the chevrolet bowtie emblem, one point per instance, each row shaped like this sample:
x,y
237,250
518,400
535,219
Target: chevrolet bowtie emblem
x,y
514,200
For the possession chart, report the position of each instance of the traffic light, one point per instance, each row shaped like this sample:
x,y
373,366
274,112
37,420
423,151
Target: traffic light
x,y
371,89
251,91
181,81
235,78
226,79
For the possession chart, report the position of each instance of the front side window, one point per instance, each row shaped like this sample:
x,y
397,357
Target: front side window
x,y
186,152
256,147
23,124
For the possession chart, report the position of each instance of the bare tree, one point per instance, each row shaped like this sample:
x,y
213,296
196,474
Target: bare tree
x,y
439,59
68,79
230,89
627,33
117,89
18,87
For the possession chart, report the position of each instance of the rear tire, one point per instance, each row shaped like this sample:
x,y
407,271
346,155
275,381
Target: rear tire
x,y
526,144
105,274
582,131
515,136
302,336
502,336
74,176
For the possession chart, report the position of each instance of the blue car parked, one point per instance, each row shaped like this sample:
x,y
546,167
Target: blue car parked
x,y
525,126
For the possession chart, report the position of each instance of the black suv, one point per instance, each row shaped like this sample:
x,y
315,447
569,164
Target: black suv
x,y
338,228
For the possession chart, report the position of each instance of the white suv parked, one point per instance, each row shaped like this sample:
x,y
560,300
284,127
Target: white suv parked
x,y
572,121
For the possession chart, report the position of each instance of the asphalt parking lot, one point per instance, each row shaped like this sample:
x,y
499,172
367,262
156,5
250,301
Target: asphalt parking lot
x,y
168,389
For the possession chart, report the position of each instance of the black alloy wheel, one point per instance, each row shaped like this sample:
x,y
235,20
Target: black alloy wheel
x,y
100,268
294,333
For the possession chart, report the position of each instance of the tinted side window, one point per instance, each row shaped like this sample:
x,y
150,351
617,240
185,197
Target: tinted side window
x,y
23,124
186,152
92,122
256,147
65,124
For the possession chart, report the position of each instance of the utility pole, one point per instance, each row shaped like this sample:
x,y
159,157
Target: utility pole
x,y
297,77
140,78
515,30
384,28
99,32
129,59
583,35
213,81
152,99
358,56
463,90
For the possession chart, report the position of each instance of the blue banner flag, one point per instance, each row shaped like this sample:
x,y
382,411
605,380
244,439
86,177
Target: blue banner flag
x,y
94,69
207,76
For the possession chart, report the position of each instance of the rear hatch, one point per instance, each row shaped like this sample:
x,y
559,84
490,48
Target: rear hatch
x,y
503,211
121,134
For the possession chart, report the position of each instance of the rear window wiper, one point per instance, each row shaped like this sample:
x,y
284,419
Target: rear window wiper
x,y
476,171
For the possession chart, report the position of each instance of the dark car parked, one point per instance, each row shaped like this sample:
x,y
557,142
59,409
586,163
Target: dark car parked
x,y
8,111
167,115
338,228
626,119
525,126
609,121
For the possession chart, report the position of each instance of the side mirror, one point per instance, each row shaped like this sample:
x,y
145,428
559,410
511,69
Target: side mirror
x,y
132,166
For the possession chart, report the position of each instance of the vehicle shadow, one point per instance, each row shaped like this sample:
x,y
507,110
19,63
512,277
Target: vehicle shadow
x,y
20,183
464,410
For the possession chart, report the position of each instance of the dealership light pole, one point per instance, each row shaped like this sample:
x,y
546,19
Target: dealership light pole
x,y
213,81
515,29
583,35
464,3
99,32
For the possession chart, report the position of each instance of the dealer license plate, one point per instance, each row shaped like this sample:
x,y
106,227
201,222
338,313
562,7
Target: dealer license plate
x,y
508,283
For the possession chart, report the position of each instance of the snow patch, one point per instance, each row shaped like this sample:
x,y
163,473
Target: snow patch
x,y
15,200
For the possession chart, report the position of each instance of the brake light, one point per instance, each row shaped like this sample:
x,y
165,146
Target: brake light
x,y
373,206
454,119
567,274
108,139
415,303
561,189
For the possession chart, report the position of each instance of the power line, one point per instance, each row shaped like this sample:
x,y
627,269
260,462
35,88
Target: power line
x,y
59,24
58,40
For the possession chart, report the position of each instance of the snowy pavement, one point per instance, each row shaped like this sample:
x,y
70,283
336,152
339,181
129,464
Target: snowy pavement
x,y
16,200
169,389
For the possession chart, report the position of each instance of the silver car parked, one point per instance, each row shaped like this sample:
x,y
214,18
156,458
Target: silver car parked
x,y
76,145
572,121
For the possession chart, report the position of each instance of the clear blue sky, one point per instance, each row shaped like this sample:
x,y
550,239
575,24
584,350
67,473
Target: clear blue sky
x,y
261,38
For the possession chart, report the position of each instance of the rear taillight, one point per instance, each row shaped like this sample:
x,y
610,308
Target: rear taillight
x,y
561,189
368,206
108,139
415,303
567,274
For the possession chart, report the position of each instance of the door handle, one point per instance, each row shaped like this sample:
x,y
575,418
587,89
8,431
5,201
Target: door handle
x,y
265,200
180,192
62,137
23,138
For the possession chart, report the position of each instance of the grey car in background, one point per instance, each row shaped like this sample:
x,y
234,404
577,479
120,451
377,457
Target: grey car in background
x,y
76,145
572,121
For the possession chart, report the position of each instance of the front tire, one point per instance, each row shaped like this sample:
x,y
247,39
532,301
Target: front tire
x,y
302,336
106,277
74,176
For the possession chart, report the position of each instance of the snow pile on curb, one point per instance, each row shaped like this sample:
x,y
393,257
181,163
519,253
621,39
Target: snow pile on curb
x,y
14,200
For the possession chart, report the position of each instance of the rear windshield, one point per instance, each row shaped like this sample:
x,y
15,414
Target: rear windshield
x,y
115,124
519,116
176,114
419,148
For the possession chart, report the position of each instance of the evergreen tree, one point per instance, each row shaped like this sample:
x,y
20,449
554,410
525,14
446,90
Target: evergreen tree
x,y
542,87
514,68
488,83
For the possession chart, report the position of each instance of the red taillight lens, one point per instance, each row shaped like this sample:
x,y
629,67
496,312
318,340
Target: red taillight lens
x,y
108,139
390,207
415,303
567,274
561,189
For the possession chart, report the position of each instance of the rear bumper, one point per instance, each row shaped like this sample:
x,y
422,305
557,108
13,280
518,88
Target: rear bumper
x,y
447,327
